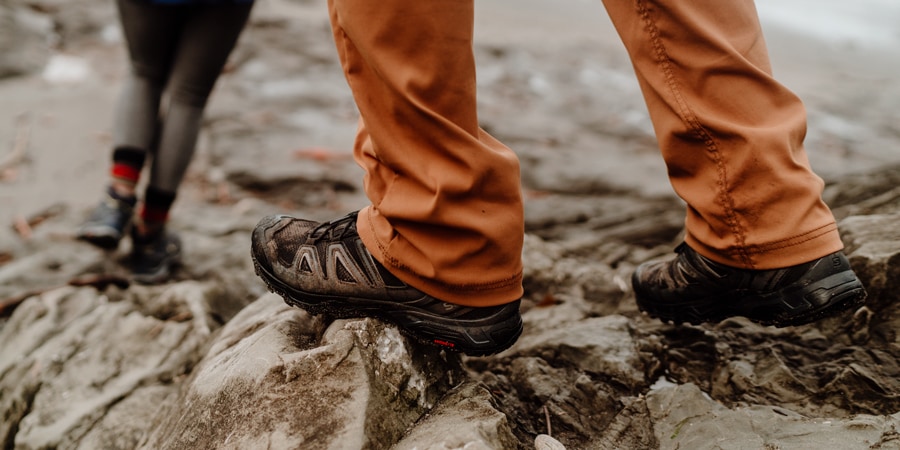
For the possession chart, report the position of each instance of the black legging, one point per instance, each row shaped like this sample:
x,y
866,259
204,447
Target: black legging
x,y
179,50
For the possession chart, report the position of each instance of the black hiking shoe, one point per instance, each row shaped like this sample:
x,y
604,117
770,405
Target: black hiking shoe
x,y
694,289
153,259
107,222
324,268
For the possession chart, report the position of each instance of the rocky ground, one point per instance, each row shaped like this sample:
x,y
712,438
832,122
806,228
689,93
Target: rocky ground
x,y
89,360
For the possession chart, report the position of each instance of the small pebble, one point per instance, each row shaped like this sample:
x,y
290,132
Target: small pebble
x,y
544,442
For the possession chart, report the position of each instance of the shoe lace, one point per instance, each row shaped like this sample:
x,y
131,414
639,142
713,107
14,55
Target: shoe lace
x,y
336,229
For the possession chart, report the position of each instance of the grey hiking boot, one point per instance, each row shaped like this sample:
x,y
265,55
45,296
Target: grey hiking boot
x,y
694,289
153,259
325,268
107,222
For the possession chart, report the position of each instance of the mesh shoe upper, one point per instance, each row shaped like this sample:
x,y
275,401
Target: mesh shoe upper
x,y
327,258
107,222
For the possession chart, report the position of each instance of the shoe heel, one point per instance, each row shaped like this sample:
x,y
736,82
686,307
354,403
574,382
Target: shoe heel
x,y
823,298
834,289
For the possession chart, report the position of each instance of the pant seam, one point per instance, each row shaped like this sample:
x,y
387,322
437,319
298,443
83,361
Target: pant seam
x,y
793,240
690,119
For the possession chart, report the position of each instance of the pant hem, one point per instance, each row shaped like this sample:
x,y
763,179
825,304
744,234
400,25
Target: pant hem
x,y
791,251
492,293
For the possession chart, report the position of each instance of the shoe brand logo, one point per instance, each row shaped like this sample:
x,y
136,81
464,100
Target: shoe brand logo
x,y
448,306
444,343
836,261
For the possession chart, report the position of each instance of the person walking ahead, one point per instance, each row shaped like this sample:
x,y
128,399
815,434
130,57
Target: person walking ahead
x,y
177,48
438,252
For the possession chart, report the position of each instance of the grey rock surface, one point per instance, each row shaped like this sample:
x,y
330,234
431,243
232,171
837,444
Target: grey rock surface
x,y
273,378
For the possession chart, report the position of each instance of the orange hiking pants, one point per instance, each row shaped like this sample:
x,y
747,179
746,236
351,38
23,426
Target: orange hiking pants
x,y
446,214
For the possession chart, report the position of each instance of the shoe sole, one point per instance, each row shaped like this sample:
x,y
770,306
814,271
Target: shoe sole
x,y
162,275
104,241
791,306
423,326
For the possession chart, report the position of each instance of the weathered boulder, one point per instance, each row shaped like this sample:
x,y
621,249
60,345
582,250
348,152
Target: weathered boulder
x,y
273,378
151,368
210,360
465,418
684,417
873,245
74,363
577,380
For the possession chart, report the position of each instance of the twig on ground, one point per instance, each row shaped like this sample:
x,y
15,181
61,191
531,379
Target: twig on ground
x,y
25,225
21,225
547,419
321,154
20,144
100,281
45,214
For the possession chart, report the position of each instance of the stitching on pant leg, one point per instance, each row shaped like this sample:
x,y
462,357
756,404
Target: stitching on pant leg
x,y
690,119
793,241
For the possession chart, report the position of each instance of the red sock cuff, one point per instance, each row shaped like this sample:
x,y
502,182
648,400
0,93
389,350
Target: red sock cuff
x,y
125,172
153,215
157,204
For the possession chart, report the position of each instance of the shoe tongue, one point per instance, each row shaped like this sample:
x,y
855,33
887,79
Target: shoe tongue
x,y
703,263
129,200
335,229
710,266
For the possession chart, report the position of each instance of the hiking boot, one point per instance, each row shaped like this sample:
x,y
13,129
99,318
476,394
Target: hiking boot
x,y
325,268
694,289
107,222
153,259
